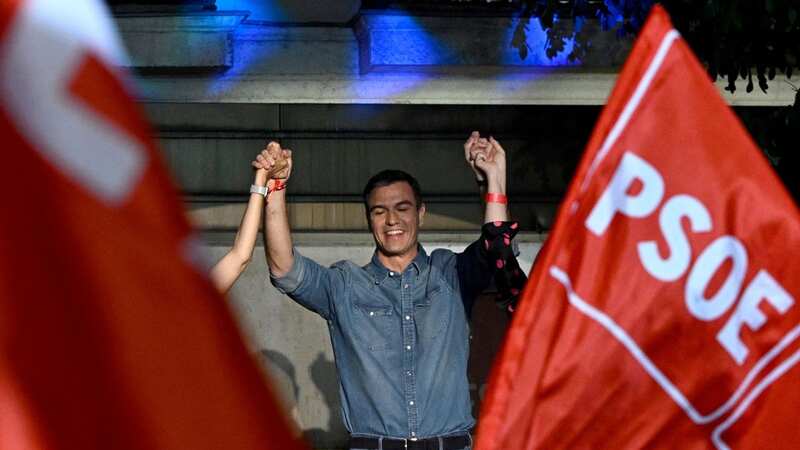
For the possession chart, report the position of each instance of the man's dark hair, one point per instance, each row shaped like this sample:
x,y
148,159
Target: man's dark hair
x,y
387,177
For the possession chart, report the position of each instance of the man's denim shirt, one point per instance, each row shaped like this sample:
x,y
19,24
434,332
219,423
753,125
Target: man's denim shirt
x,y
401,340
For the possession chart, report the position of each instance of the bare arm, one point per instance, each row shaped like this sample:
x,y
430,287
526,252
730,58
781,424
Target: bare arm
x,y
231,266
277,234
234,263
487,158
495,170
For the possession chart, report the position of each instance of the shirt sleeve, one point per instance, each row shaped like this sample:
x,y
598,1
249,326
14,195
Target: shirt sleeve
x,y
508,277
311,285
491,257
474,273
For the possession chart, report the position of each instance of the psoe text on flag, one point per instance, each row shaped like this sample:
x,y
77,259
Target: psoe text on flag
x,y
663,312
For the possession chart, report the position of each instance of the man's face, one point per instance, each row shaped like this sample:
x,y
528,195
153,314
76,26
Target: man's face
x,y
394,218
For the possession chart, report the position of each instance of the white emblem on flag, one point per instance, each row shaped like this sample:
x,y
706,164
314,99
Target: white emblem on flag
x,y
46,45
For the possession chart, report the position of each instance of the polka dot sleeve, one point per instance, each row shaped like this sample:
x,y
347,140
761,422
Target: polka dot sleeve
x,y
508,277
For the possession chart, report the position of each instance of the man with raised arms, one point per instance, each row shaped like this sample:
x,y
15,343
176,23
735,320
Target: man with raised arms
x,y
399,324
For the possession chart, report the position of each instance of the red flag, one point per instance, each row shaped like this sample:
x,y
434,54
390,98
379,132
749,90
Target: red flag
x,y
663,312
109,336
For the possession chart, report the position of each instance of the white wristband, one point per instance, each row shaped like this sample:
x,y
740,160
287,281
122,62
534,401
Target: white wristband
x,y
262,190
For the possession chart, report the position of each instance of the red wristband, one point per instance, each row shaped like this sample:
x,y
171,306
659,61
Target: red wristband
x,y
279,185
493,197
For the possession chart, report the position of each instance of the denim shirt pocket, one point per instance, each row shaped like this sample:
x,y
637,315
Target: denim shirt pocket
x,y
433,311
373,325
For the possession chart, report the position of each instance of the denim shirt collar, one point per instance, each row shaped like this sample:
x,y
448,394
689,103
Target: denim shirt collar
x,y
379,272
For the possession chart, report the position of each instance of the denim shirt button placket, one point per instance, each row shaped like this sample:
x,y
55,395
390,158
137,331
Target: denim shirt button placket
x,y
406,305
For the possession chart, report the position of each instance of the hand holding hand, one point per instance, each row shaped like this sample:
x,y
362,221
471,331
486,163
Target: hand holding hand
x,y
273,163
284,169
492,162
476,147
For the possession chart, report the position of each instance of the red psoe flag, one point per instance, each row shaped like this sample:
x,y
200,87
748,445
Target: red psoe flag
x,y
663,312
110,337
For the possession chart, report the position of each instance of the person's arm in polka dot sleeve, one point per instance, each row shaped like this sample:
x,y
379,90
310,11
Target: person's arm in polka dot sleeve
x,y
508,277
487,158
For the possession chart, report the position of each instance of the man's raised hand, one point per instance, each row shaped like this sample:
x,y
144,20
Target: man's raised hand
x,y
277,162
476,148
492,162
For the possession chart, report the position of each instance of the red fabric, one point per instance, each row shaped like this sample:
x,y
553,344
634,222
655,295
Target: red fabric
x,y
563,380
109,337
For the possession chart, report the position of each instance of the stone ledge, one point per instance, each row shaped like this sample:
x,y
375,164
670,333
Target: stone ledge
x,y
197,43
349,216
545,88
359,246
363,238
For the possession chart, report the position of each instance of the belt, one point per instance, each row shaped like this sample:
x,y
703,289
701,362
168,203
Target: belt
x,y
448,443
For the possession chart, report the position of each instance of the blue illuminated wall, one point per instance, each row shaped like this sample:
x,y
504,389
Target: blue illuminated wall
x,y
404,42
537,42
262,10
